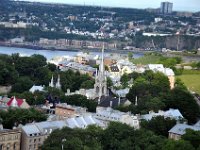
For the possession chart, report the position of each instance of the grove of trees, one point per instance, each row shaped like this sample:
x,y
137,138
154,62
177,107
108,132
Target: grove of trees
x,y
116,137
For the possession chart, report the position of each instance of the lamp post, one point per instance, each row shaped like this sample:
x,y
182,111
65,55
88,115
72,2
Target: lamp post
x,y
63,140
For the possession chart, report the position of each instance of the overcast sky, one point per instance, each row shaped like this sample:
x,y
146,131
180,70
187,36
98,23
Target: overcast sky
x,y
181,5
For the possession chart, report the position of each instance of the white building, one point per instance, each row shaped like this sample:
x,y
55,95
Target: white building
x,y
108,114
166,71
35,88
171,113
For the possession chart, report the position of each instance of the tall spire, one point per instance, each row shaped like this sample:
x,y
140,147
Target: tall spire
x,y
14,102
58,85
51,84
102,60
100,80
136,101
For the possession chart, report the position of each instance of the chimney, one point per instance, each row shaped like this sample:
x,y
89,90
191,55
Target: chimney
x,y
111,103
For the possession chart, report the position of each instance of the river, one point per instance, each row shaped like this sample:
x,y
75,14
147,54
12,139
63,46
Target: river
x,y
49,54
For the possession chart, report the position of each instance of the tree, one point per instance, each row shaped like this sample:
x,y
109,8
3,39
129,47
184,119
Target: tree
x,y
80,100
193,137
185,102
130,56
42,76
14,117
109,82
89,84
159,125
124,80
177,145
22,84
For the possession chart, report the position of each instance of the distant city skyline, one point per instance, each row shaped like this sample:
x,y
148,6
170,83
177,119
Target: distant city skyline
x,y
178,5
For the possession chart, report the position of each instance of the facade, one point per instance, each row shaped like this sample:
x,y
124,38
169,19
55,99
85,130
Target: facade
x,y
10,139
33,135
108,114
166,7
64,110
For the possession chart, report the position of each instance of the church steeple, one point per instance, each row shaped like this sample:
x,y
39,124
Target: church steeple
x,y
51,84
100,80
58,85
14,102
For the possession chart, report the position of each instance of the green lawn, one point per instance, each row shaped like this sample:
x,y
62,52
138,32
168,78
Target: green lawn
x,y
149,59
192,81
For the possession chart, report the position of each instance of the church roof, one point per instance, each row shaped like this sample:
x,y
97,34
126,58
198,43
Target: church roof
x,y
106,100
19,101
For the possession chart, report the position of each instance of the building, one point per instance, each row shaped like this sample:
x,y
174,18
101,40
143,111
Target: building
x,y
84,121
179,129
35,88
166,7
100,85
171,113
34,134
166,71
55,85
18,103
108,114
64,110
109,101
10,139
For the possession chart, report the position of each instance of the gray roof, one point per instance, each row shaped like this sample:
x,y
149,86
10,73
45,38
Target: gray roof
x,y
180,128
82,122
30,129
171,113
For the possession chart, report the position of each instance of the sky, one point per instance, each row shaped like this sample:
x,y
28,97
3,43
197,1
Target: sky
x,y
179,5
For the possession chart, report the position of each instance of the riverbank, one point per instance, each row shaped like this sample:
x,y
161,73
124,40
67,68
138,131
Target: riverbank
x,y
36,47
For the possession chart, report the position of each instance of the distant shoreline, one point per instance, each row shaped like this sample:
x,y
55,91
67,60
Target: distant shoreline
x,y
71,49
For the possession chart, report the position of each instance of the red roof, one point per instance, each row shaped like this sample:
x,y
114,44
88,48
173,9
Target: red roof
x,y
19,101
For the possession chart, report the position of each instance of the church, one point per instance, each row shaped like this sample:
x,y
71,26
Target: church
x,y
100,86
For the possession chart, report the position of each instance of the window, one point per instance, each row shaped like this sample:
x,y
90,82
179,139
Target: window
x,y
35,140
1,147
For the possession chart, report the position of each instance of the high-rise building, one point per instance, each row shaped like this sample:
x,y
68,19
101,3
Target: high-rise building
x,y
166,7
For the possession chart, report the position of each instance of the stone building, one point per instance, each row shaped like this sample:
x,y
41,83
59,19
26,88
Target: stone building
x,y
64,110
10,139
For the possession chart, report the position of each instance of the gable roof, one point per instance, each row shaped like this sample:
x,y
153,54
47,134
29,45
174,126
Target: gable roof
x,y
19,101
180,129
107,100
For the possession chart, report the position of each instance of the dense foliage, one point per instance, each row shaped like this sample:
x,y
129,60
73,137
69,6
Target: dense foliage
x,y
14,117
117,136
159,125
153,93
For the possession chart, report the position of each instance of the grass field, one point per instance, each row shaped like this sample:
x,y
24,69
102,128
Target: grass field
x,y
149,59
191,80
